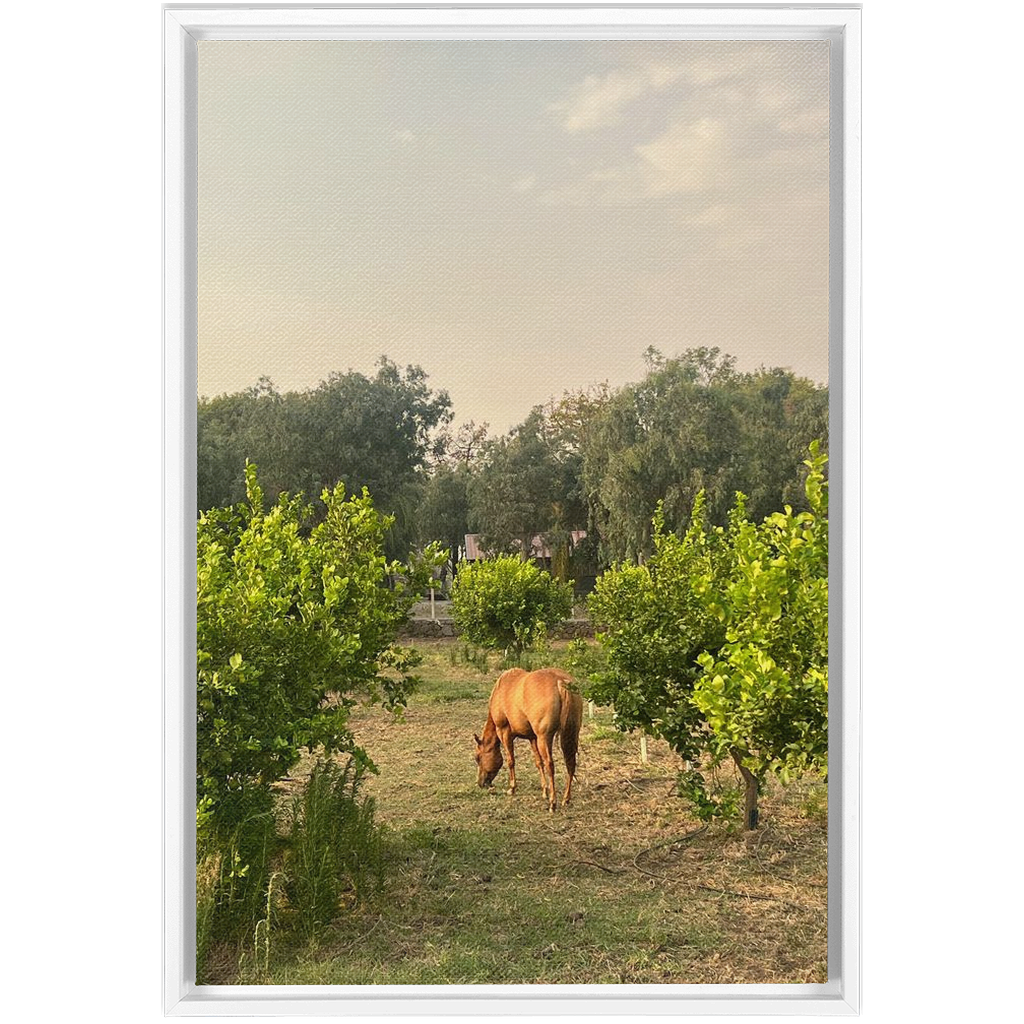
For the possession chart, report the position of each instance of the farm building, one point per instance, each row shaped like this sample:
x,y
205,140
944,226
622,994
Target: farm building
x,y
539,550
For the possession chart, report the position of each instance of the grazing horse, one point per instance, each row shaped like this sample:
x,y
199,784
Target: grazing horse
x,y
534,706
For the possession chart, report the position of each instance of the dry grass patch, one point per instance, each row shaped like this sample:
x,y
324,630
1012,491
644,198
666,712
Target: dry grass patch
x,y
620,886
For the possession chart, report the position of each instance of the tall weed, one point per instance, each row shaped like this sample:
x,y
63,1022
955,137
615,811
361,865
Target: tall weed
x,y
335,848
207,879
232,875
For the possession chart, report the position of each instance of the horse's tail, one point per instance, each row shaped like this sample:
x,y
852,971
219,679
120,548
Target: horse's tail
x,y
571,717
570,720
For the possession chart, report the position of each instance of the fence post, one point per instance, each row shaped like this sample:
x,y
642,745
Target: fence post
x,y
643,747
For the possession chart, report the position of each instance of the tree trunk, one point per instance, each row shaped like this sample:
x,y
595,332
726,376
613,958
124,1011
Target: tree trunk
x,y
560,563
750,797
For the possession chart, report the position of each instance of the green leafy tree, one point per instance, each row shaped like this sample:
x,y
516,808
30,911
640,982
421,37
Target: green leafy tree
x,y
515,489
231,428
694,423
443,513
660,441
527,485
718,643
461,447
764,693
779,414
653,624
375,431
294,626
507,604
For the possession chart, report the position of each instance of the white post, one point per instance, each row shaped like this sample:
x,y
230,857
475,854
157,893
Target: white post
x,y
643,748
432,602
590,709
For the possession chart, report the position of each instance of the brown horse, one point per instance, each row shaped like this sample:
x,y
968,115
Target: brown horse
x,y
534,706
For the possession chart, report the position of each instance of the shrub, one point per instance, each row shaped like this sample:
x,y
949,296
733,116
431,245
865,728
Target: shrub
x,y
584,661
507,604
653,625
295,624
334,846
287,618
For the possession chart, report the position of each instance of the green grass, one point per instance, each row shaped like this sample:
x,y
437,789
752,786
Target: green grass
x,y
453,672
460,905
483,888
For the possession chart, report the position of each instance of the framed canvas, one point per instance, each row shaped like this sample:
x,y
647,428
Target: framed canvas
x,y
536,209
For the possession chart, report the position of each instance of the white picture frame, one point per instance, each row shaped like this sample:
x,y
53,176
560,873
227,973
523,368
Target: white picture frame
x,y
184,26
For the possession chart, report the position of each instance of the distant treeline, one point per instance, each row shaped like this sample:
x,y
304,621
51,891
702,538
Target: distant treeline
x,y
597,460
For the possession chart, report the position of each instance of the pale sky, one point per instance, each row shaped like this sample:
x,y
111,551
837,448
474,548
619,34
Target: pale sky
x,y
519,218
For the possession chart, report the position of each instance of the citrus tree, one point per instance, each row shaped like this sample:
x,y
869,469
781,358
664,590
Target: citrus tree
x,y
653,624
294,626
507,604
764,692
718,643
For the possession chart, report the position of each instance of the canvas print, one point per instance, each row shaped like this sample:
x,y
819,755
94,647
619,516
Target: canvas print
x,y
512,512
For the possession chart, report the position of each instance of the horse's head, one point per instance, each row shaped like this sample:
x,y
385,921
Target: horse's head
x,y
488,760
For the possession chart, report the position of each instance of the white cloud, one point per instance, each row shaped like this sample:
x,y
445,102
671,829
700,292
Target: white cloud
x,y
599,101
725,130
689,158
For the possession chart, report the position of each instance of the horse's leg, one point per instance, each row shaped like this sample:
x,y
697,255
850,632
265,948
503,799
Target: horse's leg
x,y
540,765
508,742
544,743
569,745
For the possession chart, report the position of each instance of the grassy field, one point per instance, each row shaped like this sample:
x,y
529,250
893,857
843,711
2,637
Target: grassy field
x,y
614,888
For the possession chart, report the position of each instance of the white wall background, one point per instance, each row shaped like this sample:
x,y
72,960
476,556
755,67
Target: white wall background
x,y
81,537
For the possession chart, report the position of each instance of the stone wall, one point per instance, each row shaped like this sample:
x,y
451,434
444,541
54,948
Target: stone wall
x,y
435,629
427,629
572,629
